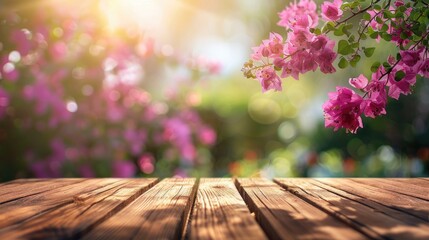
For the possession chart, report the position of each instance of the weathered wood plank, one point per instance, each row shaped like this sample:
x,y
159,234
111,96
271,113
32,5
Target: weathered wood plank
x,y
159,213
14,212
286,216
405,205
221,213
371,218
20,188
396,186
405,181
86,210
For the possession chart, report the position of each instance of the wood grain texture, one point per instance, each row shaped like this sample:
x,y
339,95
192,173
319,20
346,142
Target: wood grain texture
x,y
22,209
220,213
85,211
159,213
286,216
285,209
397,186
373,219
404,204
20,188
407,181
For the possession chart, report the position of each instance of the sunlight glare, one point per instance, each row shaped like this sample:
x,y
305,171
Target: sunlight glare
x,y
144,14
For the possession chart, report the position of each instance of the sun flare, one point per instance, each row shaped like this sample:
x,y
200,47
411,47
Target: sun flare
x,y
147,15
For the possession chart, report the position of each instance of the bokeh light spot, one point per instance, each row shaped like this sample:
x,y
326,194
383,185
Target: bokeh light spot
x,y
14,56
286,131
71,106
264,110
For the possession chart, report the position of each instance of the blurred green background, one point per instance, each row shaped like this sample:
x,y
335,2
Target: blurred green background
x,y
194,113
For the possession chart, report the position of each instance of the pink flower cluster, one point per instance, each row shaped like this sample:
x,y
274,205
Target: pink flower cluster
x,y
307,48
302,51
345,107
82,105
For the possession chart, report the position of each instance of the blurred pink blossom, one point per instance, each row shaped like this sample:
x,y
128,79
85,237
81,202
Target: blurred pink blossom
x,y
123,169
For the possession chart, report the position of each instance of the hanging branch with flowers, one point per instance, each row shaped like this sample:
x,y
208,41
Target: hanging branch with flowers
x,y
306,46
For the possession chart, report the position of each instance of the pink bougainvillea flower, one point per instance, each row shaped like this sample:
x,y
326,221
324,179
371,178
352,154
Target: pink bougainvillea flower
x,y
402,86
291,14
359,83
269,79
326,56
259,52
374,106
319,43
410,57
274,44
424,68
343,110
289,70
299,38
272,47
331,11
376,103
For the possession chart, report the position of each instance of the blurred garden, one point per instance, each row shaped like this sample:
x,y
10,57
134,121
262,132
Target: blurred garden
x,y
129,88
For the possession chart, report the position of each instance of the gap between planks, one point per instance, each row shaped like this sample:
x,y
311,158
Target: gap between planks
x,y
162,212
80,210
365,215
307,201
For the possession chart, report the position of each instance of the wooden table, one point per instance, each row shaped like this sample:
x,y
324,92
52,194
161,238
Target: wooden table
x,y
215,209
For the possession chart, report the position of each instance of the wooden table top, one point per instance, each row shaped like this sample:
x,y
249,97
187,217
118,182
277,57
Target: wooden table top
x,y
214,208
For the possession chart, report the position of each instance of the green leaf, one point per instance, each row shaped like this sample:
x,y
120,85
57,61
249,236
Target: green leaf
x,y
399,15
401,9
369,51
339,31
366,16
388,14
348,26
379,20
399,75
317,31
416,29
330,25
387,37
375,67
354,45
384,28
355,60
345,6
373,35
343,63
377,7
355,4
386,65
344,47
